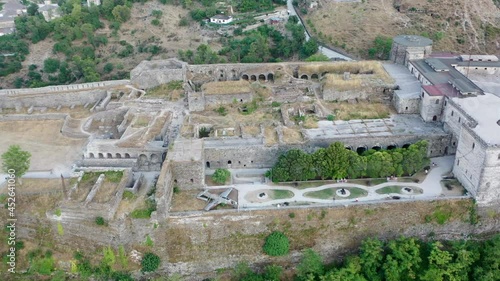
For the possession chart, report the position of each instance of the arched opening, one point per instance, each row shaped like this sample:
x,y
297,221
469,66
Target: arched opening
x,y
434,118
175,181
109,155
244,77
127,155
91,155
208,164
154,158
406,145
191,180
253,78
377,148
314,76
262,77
446,151
229,162
143,160
391,147
437,101
118,155
348,147
304,76
270,77
100,155
360,150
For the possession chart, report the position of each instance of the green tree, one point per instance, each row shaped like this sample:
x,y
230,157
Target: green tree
x,y
381,48
309,48
311,264
221,176
276,244
403,260
16,160
150,262
121,13
51,65
318,57
372,255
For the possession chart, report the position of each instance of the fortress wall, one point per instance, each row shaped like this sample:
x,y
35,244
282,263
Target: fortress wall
x,y
164,191
332,95
431,106
196,101
34,117
406,105
214,100
188,174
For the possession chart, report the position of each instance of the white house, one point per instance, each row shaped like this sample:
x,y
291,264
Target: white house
x,y
221,19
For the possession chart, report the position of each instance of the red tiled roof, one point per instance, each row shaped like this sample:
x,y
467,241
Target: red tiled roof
x,y
445,89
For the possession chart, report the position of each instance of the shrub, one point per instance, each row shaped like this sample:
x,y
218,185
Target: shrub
x,y
108,67
184,22
330,117
276,244
176,190
128,195
58,212
275,104
100,221
51,65
60,229
150,262
221,176
222,111
155,22
291,215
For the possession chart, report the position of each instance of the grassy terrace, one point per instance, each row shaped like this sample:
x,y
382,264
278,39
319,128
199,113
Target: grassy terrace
x,y
329,193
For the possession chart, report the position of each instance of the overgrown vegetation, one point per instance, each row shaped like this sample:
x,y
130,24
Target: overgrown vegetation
x,y
277,244
400,259
150,262
100,221
335,162
221,176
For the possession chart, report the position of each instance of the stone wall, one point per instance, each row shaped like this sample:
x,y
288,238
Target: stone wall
x,y
431,107
54,96
215,100
406,105
188,174
489,185
149,74
196,101
164,191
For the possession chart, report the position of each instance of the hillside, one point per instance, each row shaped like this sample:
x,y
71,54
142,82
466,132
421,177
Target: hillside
x,y
455,25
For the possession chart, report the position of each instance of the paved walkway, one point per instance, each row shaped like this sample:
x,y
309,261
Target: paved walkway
x,y
431,188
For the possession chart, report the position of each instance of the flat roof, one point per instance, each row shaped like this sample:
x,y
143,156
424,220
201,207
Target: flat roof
x,y
479,57
409,86
485,109
221,17
436,64
186,150
412,40
445,89
451,76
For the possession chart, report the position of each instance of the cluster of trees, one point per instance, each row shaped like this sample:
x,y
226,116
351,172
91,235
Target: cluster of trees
x,y
402,259
336,162
265,44
276,244
75,36
381,48
221,176
258,5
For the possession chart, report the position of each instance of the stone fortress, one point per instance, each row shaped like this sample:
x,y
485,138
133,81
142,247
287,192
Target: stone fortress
x,y
451,101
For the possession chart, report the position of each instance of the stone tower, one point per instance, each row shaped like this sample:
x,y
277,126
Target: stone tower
x,y
410,47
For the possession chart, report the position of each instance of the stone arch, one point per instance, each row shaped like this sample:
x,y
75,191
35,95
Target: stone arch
x,y
406,145
229,162
348,147
304,76
361,149
109,155
377,147
154,158
314,76
127,155
118,155
262,77
270,77
100,155
208,164
244,77
434,118
253,78
143,160
91,155
392,146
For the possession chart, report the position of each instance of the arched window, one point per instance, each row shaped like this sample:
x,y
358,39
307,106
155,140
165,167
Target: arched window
x,y
437,101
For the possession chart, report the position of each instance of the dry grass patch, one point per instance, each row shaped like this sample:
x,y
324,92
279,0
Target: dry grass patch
x,y
337,82
360,110
226,87
185,200
171,91
292,136
251,130
271,137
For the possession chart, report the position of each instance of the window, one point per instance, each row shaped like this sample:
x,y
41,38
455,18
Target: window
x,y
459,119
406,108
452,112
437,101
498,156
473,145
458,162
422,94
445,103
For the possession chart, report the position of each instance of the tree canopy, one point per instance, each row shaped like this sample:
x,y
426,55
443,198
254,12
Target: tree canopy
x,y
16,159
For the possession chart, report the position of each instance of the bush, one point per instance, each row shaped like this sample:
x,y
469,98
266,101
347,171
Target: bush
x,y
291,215
176,190
276,244
221,175
100,221
150,262
184,22
51,65
330,117
222,111
275,104
155,22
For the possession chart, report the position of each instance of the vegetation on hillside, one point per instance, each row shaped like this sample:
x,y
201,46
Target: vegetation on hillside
x,y
336,162
402,259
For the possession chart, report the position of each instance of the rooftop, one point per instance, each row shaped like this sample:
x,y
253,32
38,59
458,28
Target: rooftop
x,y
485,109
221,17
413,40
451,76
445,89
479,58
186,150
409,86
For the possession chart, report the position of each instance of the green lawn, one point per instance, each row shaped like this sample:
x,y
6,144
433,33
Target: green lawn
x,y
281,194
328,193
389,189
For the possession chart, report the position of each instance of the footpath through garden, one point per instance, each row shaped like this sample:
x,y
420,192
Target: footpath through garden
x,y
257,194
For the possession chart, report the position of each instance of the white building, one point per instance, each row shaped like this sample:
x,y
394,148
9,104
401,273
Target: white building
x,y
221,19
